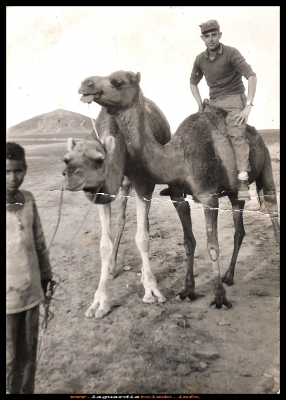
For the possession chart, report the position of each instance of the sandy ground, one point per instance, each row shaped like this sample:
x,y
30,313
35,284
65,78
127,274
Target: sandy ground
x,y
175,347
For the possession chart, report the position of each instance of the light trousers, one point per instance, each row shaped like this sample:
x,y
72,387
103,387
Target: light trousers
x,y
233,105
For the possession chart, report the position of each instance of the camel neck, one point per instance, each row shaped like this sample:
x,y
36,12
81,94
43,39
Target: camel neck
x,y
131,123
162,162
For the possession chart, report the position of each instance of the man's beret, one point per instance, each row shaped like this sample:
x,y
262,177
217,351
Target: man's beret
x,y
209,25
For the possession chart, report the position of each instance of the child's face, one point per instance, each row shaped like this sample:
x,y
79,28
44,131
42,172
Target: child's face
x,y
15,173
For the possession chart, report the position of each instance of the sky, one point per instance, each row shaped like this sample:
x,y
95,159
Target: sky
x,y
52,49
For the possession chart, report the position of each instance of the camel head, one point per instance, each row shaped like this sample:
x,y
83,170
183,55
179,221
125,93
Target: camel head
x,y
117,91
85,164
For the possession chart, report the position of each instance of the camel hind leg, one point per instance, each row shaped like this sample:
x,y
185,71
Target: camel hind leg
x,y
237,207
267,194
120,223
211,213
182,207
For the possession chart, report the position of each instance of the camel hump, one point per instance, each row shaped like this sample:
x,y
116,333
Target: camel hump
x,y
202,130
208,149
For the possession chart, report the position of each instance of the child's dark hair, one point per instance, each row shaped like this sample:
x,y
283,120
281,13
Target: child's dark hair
x,y
15,152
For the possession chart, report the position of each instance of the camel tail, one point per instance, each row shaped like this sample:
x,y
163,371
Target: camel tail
x,y
266,191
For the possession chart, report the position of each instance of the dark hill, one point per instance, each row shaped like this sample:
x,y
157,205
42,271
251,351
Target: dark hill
x,y
53,123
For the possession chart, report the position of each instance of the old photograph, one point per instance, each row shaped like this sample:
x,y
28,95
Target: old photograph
x,y
142,200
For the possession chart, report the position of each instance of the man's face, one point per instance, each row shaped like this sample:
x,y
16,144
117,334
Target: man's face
x,y
15,173
211,39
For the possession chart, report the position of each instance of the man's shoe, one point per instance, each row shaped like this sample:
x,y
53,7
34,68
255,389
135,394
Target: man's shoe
x,y
165,192
243,194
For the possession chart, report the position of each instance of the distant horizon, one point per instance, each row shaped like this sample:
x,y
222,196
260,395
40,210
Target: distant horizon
x,y
88,118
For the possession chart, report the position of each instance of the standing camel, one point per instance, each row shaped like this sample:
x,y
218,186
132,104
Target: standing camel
x,y
198,160
102,165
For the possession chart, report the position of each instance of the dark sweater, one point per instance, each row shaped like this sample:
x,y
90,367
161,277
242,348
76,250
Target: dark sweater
x,y
223,74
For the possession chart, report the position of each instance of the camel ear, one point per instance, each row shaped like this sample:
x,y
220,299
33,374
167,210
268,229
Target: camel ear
x,y
94,154
71,144
87,82
109,144
134,78
138,77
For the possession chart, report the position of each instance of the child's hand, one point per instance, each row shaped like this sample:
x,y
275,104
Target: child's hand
x,y
45,285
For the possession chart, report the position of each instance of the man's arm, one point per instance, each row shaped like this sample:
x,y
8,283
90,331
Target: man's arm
x,y
243,116
195,78
252,80
196,93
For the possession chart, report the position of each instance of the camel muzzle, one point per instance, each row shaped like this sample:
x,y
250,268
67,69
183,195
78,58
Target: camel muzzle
x,y
71,183
89,97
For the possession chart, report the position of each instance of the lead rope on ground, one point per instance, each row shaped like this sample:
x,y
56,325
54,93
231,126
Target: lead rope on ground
x,y
53,285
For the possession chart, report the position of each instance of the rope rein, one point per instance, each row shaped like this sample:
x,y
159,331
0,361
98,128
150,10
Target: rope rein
x,y
53,285
93,124
59,217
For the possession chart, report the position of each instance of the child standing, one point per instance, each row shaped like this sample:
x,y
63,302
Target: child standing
x,y
28,273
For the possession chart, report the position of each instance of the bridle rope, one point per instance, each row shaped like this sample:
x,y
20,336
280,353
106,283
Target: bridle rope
x,y
93,124
53,284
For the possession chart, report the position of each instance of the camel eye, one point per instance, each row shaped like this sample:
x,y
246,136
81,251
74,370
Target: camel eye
x,y
116,84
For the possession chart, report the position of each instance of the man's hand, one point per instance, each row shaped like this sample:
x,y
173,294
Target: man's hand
x,y
201,108
243,116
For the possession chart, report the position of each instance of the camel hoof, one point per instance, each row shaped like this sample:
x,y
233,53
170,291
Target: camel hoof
x,y
148,298
89,313
227,279
102,313
219,301
161,299
158,296
187,293
112,275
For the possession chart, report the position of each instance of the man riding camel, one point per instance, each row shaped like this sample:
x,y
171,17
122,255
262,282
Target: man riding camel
x,y
223,67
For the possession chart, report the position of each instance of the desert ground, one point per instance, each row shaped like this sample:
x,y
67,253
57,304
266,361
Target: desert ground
x,y
179,347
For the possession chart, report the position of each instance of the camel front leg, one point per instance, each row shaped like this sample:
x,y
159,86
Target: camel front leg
x,y
142,239
237,207
100,307
120,223
211,214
